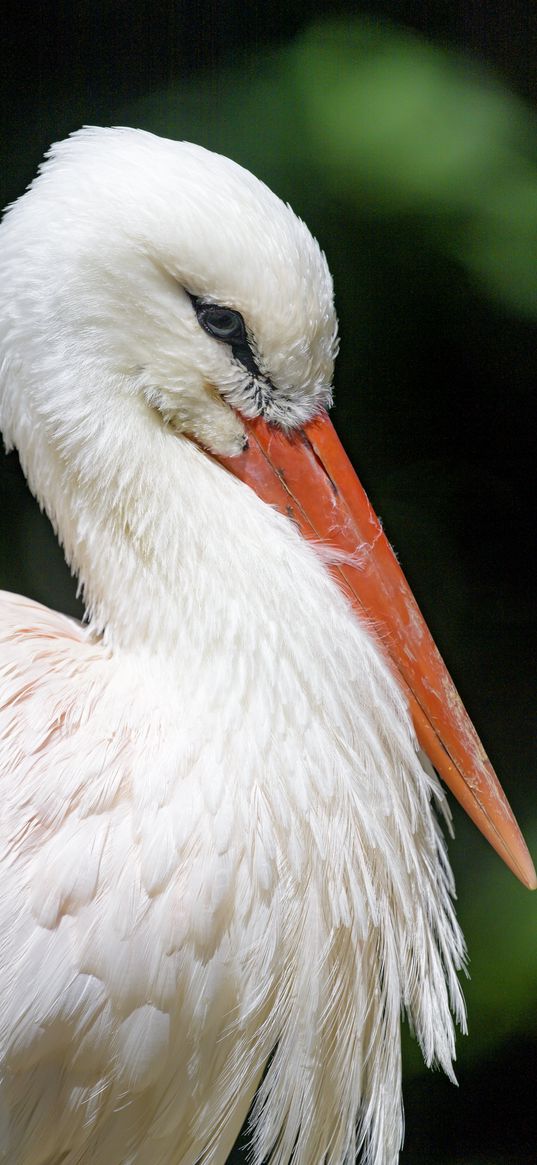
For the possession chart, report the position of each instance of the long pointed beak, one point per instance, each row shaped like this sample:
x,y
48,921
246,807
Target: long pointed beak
x,y
309,477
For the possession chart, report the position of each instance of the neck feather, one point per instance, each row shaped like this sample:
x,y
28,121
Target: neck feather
x,y
148,523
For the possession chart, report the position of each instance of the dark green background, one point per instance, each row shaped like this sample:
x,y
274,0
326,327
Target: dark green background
x,y
405,135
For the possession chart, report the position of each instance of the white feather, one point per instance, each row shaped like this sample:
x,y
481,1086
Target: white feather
x,y
219,853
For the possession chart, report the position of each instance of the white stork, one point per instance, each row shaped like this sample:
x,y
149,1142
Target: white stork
x,y
221,869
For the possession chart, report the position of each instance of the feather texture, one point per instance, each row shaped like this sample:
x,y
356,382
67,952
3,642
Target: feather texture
x,y
221,867
182,899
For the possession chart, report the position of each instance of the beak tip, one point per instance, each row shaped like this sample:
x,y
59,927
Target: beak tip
x,y
531,876
517,857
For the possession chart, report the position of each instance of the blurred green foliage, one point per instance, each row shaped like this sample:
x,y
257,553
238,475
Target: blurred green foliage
x,y
417,170
384,120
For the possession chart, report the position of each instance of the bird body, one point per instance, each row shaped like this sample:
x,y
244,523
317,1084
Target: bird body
x,y
189,881
221,866
188,836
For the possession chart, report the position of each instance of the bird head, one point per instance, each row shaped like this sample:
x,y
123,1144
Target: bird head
x,y
183,276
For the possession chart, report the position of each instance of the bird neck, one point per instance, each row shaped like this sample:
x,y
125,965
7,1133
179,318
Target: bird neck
x,y
146,522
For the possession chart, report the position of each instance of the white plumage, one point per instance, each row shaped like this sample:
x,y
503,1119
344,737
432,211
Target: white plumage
x,y
218,845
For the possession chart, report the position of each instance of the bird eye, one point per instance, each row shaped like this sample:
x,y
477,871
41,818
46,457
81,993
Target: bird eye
x,y
226,324
221,322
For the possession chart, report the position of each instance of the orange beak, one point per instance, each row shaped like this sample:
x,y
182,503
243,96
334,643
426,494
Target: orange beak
x,y
309,477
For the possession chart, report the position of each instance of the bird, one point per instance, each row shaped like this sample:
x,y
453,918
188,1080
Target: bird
x,y
223,869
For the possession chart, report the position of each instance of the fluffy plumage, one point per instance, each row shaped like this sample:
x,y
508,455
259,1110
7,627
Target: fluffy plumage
x,y
218,844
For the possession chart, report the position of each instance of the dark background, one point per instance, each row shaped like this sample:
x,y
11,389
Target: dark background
x,y
405,135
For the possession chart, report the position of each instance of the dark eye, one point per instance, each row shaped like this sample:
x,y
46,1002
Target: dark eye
x,y
221,322
226,324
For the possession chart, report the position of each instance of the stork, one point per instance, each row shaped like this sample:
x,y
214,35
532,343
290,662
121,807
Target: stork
x,y
222,873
